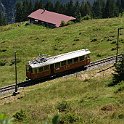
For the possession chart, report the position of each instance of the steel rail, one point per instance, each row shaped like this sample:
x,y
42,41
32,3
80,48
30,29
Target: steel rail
x,y
7,88
105,60
92,64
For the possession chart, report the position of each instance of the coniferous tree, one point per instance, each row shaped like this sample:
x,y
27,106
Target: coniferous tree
x,y
2,19
62,9
49,6
118,76
57,6
30,7
19,12
25,10
119,5
111,9
38,5
77,13
76,8
78,16
82,9
86,9
70,8
116,10
122,4
98,7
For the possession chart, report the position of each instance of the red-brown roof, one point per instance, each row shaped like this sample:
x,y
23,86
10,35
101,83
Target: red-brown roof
x,y
50,17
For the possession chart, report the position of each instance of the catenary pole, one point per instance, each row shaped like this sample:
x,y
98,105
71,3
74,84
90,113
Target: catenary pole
x,y
117,44
16,85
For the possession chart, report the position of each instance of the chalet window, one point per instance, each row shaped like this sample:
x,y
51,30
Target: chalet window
x,y
57,65
81,58
75,60
36,20
40,69
63,63
70,61
46,67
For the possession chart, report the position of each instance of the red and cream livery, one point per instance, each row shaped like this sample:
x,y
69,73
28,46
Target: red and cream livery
x,y
48,66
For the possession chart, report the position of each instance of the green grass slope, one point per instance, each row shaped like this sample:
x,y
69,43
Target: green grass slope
x,y
99,36
81,99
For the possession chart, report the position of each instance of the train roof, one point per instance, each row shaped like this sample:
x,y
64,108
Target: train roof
x,y
43,61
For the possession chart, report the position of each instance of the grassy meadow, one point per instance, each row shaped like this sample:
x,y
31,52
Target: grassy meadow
x,y
84,98
99,36
80,99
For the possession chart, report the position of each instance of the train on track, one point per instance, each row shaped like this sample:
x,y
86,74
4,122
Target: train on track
x,y
44,66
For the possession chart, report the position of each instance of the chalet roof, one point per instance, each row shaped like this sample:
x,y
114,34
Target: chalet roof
x,y
42,61
50,17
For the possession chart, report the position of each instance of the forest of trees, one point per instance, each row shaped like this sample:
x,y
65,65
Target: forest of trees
x,y
2,19
99,9
84,10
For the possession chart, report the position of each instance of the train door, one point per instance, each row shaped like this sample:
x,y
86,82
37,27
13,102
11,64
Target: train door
x,y
52,69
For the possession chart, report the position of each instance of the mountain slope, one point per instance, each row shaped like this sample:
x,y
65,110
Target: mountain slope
x,y
97,35
81,99
9,6
2,8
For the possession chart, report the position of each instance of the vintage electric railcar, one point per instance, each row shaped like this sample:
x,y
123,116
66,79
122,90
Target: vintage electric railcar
x,y
43,66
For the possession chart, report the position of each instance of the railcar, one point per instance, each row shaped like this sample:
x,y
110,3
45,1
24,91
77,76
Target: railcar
x,y
43,66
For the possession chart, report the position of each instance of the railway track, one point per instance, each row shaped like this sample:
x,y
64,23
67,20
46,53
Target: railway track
x,y
92,65
7,88
104,61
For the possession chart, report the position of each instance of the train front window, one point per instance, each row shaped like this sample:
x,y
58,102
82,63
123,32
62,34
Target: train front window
x,y
81,58
28,69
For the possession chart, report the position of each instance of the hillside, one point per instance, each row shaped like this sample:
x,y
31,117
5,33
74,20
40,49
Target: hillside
x,y
99,36
81,99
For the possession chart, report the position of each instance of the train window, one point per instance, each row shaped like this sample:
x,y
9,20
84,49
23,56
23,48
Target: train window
x,y
81,58
57,65
46,67
34,70
76,59
70,61
40,69
30,69
63,63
